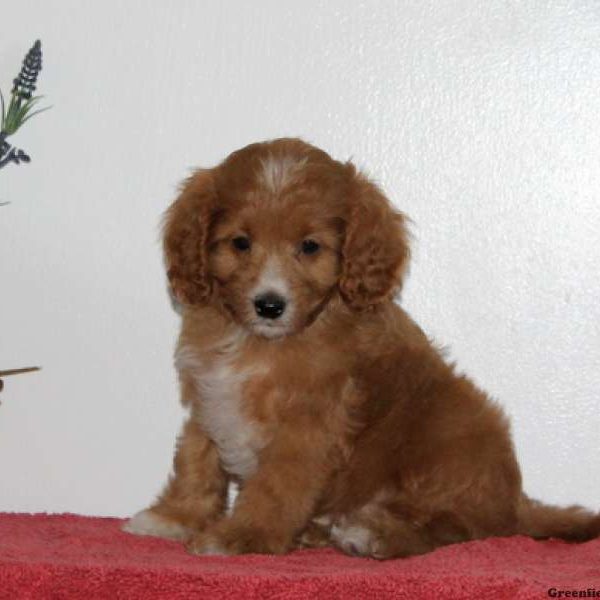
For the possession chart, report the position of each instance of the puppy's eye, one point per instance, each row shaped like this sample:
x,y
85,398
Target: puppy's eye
x,y
241,243
310,247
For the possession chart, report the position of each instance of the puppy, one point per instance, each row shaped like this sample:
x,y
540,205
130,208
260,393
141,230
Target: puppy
x,y
309,387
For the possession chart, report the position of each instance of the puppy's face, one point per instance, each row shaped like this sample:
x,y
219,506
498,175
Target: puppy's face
x,y
276,261
276,231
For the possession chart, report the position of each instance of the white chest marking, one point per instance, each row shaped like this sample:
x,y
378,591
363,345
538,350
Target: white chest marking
x,y
220,395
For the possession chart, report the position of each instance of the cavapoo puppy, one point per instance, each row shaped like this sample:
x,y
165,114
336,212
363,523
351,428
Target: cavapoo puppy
x,y
309,387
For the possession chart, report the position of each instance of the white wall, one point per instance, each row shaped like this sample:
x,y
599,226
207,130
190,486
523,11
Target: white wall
x,y
481,119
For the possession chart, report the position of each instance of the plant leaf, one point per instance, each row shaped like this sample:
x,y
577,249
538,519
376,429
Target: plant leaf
x,y
35,112
19,113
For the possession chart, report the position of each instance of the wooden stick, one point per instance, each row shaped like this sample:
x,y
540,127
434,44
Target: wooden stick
x,y
19,371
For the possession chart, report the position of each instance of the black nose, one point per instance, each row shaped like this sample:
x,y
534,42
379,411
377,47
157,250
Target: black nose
x,y
269,306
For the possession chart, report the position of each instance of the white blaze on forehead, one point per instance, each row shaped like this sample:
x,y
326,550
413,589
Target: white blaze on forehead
x,y
279,171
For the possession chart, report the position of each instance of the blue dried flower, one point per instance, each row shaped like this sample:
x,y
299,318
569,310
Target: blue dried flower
x,y
24,83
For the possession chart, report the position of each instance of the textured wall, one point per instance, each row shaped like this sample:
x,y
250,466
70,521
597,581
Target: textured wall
x,y
481,120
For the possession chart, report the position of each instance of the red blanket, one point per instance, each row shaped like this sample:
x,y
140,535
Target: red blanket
x,y
67,556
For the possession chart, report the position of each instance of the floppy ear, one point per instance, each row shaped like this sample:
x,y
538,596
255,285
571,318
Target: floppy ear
x,y
185,231
375,251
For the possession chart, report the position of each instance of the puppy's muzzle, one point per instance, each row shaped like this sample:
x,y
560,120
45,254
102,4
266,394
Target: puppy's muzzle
x,y
269,306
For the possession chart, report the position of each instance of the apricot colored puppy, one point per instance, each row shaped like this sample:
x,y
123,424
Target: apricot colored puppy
x,y
311,388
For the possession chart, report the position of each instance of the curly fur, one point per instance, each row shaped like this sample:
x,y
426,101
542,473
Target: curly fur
x,y
185,239
340,421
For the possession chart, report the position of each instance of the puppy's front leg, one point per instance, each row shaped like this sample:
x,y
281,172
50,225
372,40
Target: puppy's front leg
x,y
194,495
277,501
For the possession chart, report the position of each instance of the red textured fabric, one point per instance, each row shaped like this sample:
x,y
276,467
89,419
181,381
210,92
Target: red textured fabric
x,y
69,556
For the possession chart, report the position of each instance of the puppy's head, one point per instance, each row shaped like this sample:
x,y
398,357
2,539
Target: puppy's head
x,y
276,231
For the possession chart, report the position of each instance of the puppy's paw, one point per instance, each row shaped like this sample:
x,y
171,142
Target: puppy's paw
x,y
206,544
227,538
356,539
147,522
317,534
